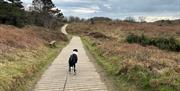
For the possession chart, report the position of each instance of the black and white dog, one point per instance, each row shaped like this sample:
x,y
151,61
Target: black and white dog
x,y
73,60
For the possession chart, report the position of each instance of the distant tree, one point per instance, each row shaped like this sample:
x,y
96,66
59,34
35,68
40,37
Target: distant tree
x,y
65,19
49,16
38,5
42,13
42,5
47,7
56,13
11,12
101,19
130,19
16,3
74,19
142,19
48,4
14,8
77,19
83,20
92,21
60,15
1,1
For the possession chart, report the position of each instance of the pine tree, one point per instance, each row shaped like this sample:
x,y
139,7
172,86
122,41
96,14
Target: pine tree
x,y
42,5
11,12
16,3
47,4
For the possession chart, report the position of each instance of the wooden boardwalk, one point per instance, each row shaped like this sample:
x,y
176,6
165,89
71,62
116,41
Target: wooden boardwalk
x,y
57,77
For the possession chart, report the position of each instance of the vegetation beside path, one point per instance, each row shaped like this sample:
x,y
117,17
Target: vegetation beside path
x,y
25,54
105,63
134,66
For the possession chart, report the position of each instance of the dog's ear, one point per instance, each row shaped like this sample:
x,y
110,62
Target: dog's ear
x,y
75,50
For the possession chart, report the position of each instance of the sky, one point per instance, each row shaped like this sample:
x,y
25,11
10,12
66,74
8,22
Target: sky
x,y
119,9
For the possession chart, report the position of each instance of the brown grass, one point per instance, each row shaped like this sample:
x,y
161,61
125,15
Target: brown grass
x,y
28,37
24,54
152,59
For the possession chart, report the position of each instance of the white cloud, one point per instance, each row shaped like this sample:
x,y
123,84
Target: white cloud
x,y
27,6
169,9
69,1
27,1
56,1
156,18
83,10
107,6
95,7
80,10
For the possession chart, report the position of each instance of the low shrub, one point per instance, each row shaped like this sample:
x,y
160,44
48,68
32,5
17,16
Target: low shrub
x,y
167,43
97,35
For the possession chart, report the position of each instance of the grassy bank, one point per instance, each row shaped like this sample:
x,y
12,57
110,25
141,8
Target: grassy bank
x,y
106,64
24,54
21,69
132,78
144,63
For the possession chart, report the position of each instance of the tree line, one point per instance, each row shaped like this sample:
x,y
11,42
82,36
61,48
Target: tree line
x,y
43,13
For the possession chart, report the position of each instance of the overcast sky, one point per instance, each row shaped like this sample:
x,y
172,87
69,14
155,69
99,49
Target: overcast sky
x,y
152,9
